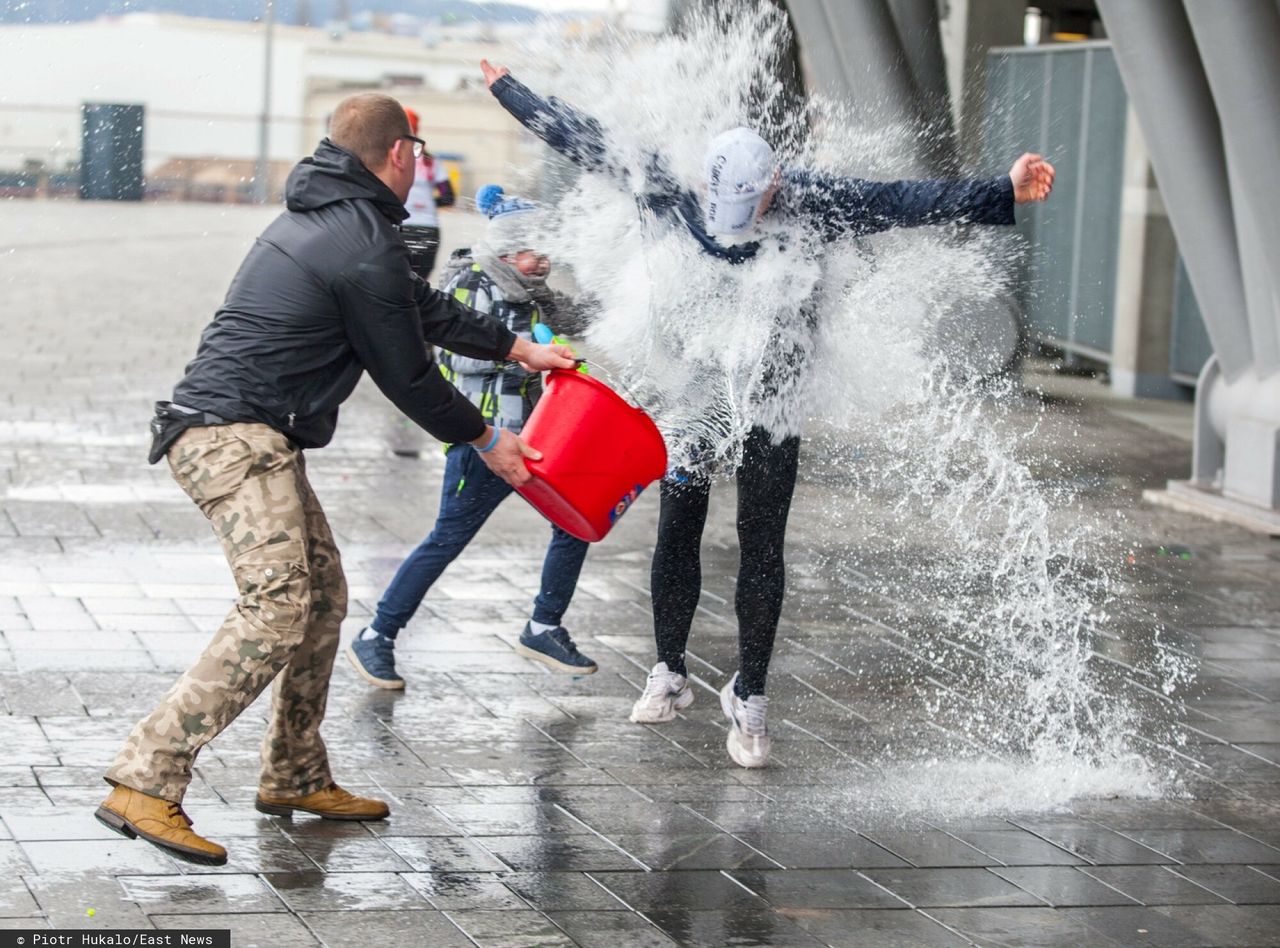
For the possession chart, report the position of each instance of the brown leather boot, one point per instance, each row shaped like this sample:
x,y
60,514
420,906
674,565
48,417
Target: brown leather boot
x,y
331,803
134,814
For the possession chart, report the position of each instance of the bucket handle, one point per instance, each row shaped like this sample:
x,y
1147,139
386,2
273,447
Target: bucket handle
x,y
543,335
611,379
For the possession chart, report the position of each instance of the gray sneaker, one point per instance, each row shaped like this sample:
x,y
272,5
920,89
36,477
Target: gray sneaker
x,y
748,742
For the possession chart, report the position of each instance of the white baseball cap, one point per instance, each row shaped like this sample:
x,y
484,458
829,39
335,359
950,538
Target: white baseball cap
x,y
739,169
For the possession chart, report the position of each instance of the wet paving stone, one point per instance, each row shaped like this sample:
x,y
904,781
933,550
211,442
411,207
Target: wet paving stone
x,y
931,849
640,819
1155,885
113,857
1237,925
841,850
479,891
527,929
816,888
709,928
344,892
696,890
562,892
275,930
443,854
534,853
257,855
353,855
1023,928
940,888
1063,885
13,861
15,897
384,928
513,819
65,898
615,929
1242,885
1197,846
1017,848
1127,926
212,894
661,851
1096,844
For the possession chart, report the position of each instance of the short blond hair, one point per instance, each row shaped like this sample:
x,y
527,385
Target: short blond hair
x,y
367,125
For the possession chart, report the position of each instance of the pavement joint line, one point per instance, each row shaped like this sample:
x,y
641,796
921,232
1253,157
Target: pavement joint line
x,y
825,743
822,694
702,661
1168,748
600,835
716,616
743,887
937,921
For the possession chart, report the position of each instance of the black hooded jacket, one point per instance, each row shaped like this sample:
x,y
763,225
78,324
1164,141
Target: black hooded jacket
x,y
326,293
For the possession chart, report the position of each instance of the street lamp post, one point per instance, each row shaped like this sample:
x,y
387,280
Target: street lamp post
x,y
262,171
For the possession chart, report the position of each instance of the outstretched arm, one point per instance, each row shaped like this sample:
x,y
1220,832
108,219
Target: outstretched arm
x,y
574,134
856,206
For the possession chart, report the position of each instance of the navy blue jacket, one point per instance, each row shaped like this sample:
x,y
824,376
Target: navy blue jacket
x,y
832,206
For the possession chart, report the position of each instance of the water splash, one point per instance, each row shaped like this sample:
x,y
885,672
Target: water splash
x,y
1008,639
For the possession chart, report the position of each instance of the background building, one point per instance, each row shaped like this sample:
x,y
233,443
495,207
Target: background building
x,y
200,82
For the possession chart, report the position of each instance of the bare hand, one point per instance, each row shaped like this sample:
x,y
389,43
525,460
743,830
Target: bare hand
x,y
535,358
507,457
492,73
1032,178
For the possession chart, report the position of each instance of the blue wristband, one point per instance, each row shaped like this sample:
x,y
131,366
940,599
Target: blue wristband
x,y
493,442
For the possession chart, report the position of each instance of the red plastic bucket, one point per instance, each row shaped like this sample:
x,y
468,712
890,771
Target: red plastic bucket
x,y
598,454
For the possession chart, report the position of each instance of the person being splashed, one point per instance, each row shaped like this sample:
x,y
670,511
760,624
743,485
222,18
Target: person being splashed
x,y
749,200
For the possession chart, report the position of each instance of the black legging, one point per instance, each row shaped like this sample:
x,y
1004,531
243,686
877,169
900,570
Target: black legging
x,y
766,479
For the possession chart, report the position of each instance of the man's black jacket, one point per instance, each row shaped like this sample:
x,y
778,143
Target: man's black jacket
x,y
325,293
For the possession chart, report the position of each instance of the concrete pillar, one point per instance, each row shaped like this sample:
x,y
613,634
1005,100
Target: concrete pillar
x,y
1239,45
1146,259
853,53
1161,68
917,25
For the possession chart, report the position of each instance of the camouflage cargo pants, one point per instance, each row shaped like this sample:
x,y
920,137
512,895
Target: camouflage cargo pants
x,y
252,485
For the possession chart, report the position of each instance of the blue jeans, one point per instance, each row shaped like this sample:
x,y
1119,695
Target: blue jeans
x,y
469,494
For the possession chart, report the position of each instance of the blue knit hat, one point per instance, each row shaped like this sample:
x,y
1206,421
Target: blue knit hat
x,y
511,220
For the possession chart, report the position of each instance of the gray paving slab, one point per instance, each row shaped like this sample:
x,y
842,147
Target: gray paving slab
x,y
940,888
517,929
1242,885
479,891
617,929
1155,885
736,926
275,929
384,928
1063,885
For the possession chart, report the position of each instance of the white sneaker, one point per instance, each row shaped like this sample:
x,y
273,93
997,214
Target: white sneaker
x,y
748,741
664,694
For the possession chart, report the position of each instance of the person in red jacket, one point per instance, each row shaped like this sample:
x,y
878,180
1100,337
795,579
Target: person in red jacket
x,y
431,191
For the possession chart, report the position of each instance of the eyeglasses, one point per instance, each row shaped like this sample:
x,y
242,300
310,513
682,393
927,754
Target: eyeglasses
x,y
419,146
